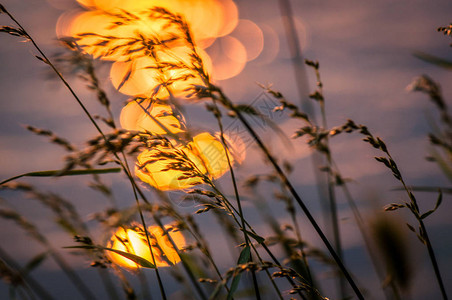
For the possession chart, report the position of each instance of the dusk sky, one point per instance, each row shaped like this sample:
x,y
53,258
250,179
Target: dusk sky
x,y
365,50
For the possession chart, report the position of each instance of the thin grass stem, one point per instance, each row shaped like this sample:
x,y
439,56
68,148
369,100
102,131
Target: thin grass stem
x,y
143,222
292,190
413,205
293,41
217,115
231,210
99,130
426,237
39,290
330,182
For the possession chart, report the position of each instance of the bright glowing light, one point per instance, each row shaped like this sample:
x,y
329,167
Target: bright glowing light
x,y
151,116
164,171
133,240
230,15
99,34
207,18
126,32
212,153
204,155
87,3
154,59
142,76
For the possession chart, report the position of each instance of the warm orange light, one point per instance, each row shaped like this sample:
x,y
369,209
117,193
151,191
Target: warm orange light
x,y
97,34
126,33
204,155
87,3
151,116
230,17
142,76
207,18
133,240
235,144
212,153
156,170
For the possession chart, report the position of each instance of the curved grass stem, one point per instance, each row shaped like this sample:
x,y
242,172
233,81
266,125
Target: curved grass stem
x,y
90,117
290,187
377,143
217,115
330,182
423,230
231,209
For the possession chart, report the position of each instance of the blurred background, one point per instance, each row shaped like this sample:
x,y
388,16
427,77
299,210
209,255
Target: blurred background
x,y
365,50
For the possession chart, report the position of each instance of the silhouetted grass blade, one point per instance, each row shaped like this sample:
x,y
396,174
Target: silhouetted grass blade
x,y
59,173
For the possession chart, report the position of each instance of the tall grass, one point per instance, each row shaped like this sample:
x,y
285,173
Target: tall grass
x,y
159,236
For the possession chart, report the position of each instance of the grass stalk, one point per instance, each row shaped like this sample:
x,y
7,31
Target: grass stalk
x,y
61,262
300,76
426,237
303,267
137,191
60,76
39,290
217,115
143,222
330,181
192,227
291,189
124,166
88,114
432,256
231,210
184,263
389,162
228,104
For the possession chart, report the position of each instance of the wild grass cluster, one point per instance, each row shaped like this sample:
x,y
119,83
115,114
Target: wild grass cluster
x,y
156,61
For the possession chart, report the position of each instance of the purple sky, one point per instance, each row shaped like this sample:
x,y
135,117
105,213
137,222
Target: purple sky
x,y
365,52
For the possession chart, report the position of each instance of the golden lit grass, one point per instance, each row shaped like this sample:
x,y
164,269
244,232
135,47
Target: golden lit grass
x,y
133,240
159,59
151,116
168,167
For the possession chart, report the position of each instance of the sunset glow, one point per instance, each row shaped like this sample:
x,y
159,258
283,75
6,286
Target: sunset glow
x,y
133,240
151,116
